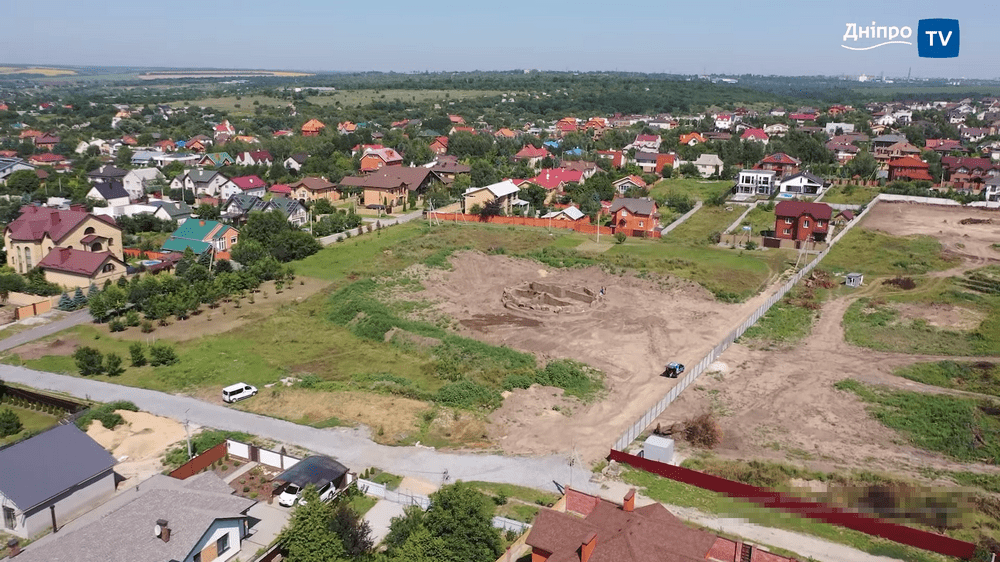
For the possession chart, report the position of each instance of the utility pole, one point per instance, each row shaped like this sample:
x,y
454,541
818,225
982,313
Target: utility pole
x,y
187,430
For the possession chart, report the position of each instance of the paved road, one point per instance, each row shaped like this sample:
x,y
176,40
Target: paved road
x,y
327,240
351,446
45,330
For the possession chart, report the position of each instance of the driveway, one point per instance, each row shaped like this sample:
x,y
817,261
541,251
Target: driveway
x,y
380,516
45,330
270,520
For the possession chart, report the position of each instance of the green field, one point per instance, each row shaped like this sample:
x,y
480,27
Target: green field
x,y
982,377
876,253
849,195
32,420
704,223
696,189
349,98
516,502
790,320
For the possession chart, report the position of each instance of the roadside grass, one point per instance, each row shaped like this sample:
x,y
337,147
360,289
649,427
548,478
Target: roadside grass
x,y
676,493
787,322
874,323
849,195
389,480
695,188
982,377
32,421
516,502
700,226
964,429
875,253
362,504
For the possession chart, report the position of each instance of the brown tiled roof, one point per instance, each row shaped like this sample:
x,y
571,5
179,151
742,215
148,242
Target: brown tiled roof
x,y
795,209
35,222
77,262
313,183
390,177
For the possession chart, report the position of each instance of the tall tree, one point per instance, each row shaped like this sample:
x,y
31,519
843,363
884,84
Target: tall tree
x,y
463,518
307,538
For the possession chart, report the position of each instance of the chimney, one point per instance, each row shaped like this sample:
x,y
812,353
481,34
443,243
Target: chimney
x,y
13,548
629,504
587,548
162,530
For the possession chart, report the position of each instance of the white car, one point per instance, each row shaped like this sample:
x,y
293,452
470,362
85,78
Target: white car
x,y
293,493
237,392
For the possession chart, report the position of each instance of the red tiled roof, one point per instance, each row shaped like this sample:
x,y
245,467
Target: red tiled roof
x,y
280,188
780,158
530,151
456,119
554,177
908,162
971,163
47,157
684,139
754,134
647,138
77,262
802,116
248,182
912,173
795,209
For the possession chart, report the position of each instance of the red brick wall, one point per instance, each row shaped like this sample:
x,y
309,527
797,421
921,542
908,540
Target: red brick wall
x,y
578,502
632,221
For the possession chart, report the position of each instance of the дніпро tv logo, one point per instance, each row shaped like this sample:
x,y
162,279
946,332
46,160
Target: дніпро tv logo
x,y
937,38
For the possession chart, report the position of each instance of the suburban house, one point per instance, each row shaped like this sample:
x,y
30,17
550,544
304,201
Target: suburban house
x,y
568,214
113,193
216,159
46,142
991,189
51,477
439,145
200,182
292,209
802,220
781,163
691,139
533,156
587,169
251,185
39,230
10,165
647,161
343,128
708,164
448,167
555,180
137,182
776,130
756,182
965,169
634,216
238,207
201,236
897,150
843,151
650,143
106,172
909,169
627,183
255,158
47,159
593,529
79,268
757,135
172,210
163,519
802,183
505,192
312,128
843,217
312,188
391,186
374,159
296,161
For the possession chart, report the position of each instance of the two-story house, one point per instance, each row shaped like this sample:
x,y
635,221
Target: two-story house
x,y
756,182
312,188
802,220
202,236
200,182
634,217
251,185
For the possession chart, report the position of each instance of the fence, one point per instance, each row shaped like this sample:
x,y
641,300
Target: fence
x,y
273,459
578,226
814,510
199,463
651,414
9,392
33,309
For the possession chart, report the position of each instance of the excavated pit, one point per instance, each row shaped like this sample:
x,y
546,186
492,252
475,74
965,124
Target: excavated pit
x,y
538,297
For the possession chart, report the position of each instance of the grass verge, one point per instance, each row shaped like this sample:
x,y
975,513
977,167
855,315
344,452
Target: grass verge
x,y
875,253
981,377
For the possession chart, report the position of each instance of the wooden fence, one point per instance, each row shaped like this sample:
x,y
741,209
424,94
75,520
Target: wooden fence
x,y
200,462
766,497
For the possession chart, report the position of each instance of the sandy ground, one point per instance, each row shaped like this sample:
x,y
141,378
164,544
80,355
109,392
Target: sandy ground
x,y
37,350
227,317
630,334
138,444
781,404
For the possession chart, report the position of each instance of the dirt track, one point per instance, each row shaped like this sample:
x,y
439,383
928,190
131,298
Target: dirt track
x,y
782,405
637,328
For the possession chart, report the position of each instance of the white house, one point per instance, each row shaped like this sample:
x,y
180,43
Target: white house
x,y
10,165
255,157
724,121
54,475
200,182
296,161
802,183
505,192
709,164
845,128
756,182
250,185
991,189
137,181
111,192
776,129
162,519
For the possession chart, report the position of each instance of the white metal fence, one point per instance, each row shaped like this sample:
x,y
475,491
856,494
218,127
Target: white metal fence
x,y
651,414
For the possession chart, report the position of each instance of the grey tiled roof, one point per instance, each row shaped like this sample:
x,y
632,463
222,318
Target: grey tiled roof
x,y
49,463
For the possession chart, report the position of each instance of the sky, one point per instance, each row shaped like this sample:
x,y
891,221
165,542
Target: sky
x,y
800,37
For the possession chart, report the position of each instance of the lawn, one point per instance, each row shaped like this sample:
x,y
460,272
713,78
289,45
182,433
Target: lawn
x,y
696,189
964,429
760,218
700,227
362,503
237,105
788,321
347,98
676,493
982,377
875,253
849,195
32,420
516,502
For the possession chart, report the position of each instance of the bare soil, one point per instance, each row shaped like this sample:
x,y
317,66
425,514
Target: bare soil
x,y
37,350
227,317
630,333
139,444
781,404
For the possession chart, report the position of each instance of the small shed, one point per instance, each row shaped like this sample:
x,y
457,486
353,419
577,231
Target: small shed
x,y
854,280
657,448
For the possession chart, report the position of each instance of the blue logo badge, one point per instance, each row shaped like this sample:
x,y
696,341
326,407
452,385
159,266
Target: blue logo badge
x,y
938,38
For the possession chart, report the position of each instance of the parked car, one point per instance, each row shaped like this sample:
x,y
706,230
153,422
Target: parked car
x,y
293,493
673,370
237,392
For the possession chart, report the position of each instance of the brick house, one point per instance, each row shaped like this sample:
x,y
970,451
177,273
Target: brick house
x,y
800,220
313,188
592,529
391,186
312,128
909,169
781,163
378,158
533,156
42,230
635,217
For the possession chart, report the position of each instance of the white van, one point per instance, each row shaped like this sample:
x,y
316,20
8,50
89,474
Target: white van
x,y
293,493
237,392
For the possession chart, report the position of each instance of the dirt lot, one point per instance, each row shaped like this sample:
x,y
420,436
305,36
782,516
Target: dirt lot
x,y
630,333
138,444
227,317
37,350
782,405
